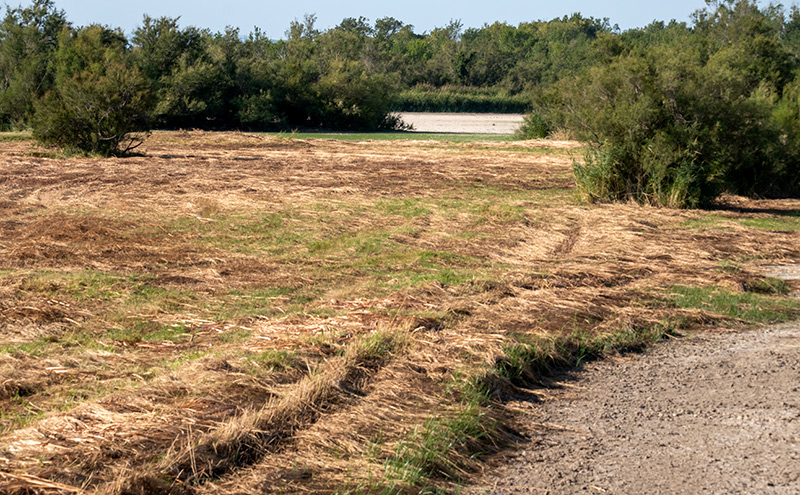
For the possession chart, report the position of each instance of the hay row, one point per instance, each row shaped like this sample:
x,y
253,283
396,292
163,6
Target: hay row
x,y
246,438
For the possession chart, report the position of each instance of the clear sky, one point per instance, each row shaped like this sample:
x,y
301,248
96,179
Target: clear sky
x,y
273,16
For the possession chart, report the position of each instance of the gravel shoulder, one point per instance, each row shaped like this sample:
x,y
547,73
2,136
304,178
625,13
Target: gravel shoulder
x,y
709,413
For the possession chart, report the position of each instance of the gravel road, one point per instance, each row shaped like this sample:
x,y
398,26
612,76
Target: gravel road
x,y
711,413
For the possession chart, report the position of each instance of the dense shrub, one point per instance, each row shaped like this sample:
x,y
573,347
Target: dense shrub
x,y
99,103
426,98
686,118
28,39
534,126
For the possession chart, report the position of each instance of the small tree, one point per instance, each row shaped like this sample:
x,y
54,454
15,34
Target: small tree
x,y
679,121
100,103
354,99
28,39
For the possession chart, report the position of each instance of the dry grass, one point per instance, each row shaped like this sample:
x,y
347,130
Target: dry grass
x,y
236,313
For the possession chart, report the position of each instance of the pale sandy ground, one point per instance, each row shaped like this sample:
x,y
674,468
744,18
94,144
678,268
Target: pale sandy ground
x,y
712,413
472,123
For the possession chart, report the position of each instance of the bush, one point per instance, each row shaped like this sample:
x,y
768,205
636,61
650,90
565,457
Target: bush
x,y
679,122
534,126
28,38
100,103
637,151
424,98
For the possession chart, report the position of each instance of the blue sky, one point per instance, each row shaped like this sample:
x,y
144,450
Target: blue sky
x,y
274,16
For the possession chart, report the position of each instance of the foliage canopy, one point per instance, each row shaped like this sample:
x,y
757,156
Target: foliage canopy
x,y
681,114
99,100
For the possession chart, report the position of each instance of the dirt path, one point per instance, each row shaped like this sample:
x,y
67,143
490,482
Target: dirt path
x,y
712,413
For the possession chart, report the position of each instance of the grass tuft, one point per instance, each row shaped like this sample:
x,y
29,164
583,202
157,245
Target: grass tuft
x,y
441,448
759,306
527,358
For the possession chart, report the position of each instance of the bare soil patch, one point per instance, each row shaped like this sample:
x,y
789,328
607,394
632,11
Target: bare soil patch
x,y
238,313
477,123
712,413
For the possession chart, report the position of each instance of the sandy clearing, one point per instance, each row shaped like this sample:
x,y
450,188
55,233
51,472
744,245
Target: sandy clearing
x,y
477,123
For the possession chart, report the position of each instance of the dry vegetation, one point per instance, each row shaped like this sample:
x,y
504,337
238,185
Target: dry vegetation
x,y
235,313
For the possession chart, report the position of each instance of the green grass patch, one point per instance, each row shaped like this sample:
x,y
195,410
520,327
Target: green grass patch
x,y
404,207
498,213
781,224
352,243
86,284
128,292
235,336
408,267
751,307
35,348
377,347
275,233
438,448
767,285
789,222
273,360
526,358
21,414
729,266
708,221
147,331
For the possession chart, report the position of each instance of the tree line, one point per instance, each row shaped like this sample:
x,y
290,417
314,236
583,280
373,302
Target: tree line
x,y
347,77
674,113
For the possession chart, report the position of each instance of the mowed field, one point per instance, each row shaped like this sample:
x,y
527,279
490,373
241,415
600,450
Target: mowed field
x,y
242,313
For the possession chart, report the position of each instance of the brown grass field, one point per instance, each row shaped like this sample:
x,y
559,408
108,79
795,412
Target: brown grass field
x,y
235,313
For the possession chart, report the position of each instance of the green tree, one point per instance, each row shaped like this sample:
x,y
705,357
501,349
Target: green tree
x,y
255,79
548,51
100,102
192,72
28,40
678,120
354,99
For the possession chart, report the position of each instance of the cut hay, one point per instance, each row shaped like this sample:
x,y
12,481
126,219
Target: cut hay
x,y
237,313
